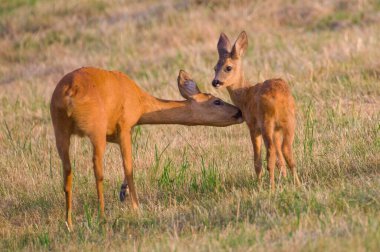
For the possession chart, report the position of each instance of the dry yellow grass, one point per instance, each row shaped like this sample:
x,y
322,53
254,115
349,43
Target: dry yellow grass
x,y
196,184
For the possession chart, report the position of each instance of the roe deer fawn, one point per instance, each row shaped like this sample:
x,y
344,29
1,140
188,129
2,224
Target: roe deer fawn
x,y
268,108
105,105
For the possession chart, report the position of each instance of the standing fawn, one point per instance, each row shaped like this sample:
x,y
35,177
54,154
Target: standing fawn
x,y
106,105
268,108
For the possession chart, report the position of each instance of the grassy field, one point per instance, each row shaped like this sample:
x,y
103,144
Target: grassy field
x,y
196,185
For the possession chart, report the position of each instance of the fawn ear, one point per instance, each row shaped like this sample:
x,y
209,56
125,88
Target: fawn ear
x,y
224,45
240,45
187,87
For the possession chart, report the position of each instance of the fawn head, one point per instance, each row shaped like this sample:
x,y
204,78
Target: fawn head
x,y
228,70
206,108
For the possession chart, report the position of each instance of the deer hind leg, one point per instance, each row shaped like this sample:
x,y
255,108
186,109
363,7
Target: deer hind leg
x,y
63,147
287,150
268,135
126,153
62,130
280,158
256,142
99,145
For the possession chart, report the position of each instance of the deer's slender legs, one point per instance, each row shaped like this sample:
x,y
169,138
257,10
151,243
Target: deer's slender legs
x,y
287,150
256,142
63,146
268,131
126,153
280,158
99,145
62,127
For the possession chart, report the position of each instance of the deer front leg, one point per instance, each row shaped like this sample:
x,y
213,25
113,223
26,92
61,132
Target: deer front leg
x,y
126,153
256,142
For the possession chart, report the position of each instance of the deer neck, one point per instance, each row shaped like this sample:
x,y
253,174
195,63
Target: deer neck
x,y
159,111
237,91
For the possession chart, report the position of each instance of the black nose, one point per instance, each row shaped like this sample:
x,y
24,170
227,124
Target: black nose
x,y
238,115
215,83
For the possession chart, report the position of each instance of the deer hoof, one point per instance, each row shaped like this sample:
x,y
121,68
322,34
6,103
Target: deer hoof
x,y
123,192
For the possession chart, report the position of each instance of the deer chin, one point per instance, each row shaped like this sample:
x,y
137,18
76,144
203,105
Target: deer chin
x,y
238,117
240,120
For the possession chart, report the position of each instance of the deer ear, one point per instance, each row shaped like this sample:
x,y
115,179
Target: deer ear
x,y
187,87
240,45
224,45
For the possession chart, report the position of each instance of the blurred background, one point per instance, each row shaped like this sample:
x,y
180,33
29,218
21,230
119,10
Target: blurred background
x,y
150,40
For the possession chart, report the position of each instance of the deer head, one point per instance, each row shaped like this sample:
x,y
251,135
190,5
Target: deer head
x,y
205,108
228,70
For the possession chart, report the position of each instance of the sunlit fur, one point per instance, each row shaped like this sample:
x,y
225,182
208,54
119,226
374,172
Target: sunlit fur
x,y
105,105
268,108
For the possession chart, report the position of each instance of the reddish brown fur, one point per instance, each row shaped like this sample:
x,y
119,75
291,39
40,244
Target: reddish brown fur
x,y
268,108
106,105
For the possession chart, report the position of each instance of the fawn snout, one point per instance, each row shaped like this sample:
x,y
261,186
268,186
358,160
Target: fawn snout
x,y
217,83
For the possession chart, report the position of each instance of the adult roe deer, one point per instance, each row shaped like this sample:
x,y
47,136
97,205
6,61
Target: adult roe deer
x,y
268,108
105,105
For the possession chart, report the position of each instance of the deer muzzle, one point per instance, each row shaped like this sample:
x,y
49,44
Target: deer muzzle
x,y
216,83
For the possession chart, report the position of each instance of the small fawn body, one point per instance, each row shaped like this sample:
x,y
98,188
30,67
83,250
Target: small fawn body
x,y
268,108
106,105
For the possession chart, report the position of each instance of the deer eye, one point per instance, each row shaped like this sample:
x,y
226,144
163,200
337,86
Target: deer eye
x,y
228,68
218,102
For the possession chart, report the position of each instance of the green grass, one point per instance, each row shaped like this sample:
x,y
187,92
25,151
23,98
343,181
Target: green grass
x,y
196,185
